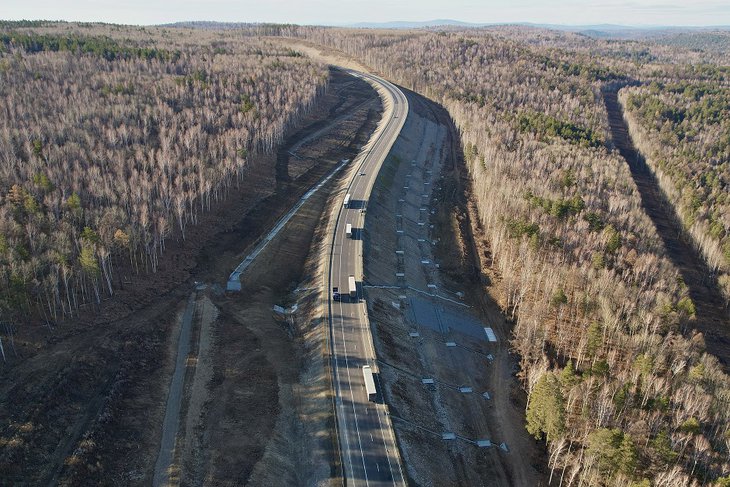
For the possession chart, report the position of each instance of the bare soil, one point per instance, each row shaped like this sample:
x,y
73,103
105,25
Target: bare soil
x,y
82,404
712,317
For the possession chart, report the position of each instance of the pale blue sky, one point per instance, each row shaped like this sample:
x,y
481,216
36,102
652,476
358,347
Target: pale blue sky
x,y
626,12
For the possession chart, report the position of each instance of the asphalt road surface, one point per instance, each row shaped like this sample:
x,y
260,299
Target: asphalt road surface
x,y
367,443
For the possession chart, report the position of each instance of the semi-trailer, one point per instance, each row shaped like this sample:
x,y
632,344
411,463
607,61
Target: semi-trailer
x,y
353,286
367,374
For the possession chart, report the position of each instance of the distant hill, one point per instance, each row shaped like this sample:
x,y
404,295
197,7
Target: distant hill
x,y
599,31
405,24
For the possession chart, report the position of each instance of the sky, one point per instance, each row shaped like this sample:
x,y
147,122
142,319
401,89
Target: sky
x,y
339,12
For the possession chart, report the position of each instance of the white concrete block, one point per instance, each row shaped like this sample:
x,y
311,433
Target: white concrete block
x,y
427,381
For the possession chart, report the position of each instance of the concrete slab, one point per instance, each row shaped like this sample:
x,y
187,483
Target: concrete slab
x,y
443,317
233,286
400,231
490,334
427,381
450,344
399,252
414,334
484,443
425,262
431,286
466,390
486,395
503,446
400,274
447,435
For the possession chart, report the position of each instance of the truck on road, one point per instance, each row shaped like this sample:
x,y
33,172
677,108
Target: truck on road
x,y
353,286
348,230
346,203
367,374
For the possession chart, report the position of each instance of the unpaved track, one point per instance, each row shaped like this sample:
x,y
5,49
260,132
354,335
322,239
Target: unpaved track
x,y
712,314
174,398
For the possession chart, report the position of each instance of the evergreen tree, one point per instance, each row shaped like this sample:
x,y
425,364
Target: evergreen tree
x,y
546,411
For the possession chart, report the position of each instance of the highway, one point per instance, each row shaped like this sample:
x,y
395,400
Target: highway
x,y
367,443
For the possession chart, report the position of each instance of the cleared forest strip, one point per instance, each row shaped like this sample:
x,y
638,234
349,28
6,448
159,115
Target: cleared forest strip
x,y
711,312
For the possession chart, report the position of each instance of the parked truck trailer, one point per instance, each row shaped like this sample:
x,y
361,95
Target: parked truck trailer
x,y
367,373
353,286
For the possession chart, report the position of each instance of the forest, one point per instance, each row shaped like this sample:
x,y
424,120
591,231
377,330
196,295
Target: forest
x,y
619,386
108,147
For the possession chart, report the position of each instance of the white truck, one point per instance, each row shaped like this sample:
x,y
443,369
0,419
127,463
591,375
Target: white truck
x,y
367,374
353,286
346,203
348,230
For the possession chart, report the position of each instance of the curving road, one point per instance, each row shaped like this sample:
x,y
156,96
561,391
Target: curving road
x,y
367,444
